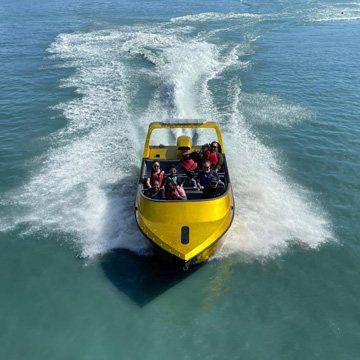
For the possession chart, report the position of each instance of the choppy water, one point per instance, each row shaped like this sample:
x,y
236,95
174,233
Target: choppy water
x,y
79,84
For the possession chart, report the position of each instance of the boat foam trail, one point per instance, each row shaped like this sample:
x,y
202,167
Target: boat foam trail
x,y
85,184
271,210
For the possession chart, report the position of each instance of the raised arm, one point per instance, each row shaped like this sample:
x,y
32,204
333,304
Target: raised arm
x,y
190,152
148,179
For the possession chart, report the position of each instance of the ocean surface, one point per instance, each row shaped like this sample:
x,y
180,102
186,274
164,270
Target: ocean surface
x,y
79,83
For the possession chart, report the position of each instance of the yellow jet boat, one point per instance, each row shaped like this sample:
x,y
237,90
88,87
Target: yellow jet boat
x,y
190,230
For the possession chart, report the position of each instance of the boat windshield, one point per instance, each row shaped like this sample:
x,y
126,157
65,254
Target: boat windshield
x,y
168,137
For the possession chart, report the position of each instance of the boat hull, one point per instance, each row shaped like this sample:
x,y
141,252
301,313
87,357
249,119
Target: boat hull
x,y
168,258
190,230
206,222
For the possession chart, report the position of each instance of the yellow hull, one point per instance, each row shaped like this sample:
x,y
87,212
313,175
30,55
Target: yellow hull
x,y
162,222
191,230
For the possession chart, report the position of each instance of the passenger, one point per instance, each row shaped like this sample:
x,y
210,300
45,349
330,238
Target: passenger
x,y
171,193
205,175
190,160
214,189
172,175
155,173
154,191
189,181
215,157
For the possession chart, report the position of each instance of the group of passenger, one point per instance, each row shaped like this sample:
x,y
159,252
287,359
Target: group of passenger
x,y
170,188
192,159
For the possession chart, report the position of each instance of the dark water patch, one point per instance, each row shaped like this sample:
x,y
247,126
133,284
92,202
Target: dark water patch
x,y
143,278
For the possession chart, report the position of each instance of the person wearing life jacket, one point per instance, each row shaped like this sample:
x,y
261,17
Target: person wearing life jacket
x,y
190,160
155,173
215,157
171,192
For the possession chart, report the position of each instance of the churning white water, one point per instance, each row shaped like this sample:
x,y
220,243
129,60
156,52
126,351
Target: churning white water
x,y
127,77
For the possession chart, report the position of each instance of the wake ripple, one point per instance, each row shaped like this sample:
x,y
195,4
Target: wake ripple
x,y
127,77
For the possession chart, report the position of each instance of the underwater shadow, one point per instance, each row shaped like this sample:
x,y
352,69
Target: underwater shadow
x,y
142,278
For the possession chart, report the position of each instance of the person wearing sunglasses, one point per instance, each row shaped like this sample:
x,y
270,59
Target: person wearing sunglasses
x,y
205,175
154,174
172,175
214,189
214,155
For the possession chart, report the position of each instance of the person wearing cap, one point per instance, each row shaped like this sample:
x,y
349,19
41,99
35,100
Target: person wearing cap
x,y
214,189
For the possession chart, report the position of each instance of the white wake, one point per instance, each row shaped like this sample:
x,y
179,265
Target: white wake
x,y
127,77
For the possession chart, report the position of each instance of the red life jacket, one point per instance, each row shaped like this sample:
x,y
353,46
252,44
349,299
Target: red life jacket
x,y
156,176
212,157
172,197
189,164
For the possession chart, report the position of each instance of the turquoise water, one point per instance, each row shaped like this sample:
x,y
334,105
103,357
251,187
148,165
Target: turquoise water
x,y
79,84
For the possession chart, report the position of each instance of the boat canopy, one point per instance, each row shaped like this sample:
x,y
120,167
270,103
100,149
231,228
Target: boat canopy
x,y
183,121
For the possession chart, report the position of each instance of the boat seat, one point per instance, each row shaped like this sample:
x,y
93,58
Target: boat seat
x,y
192,194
